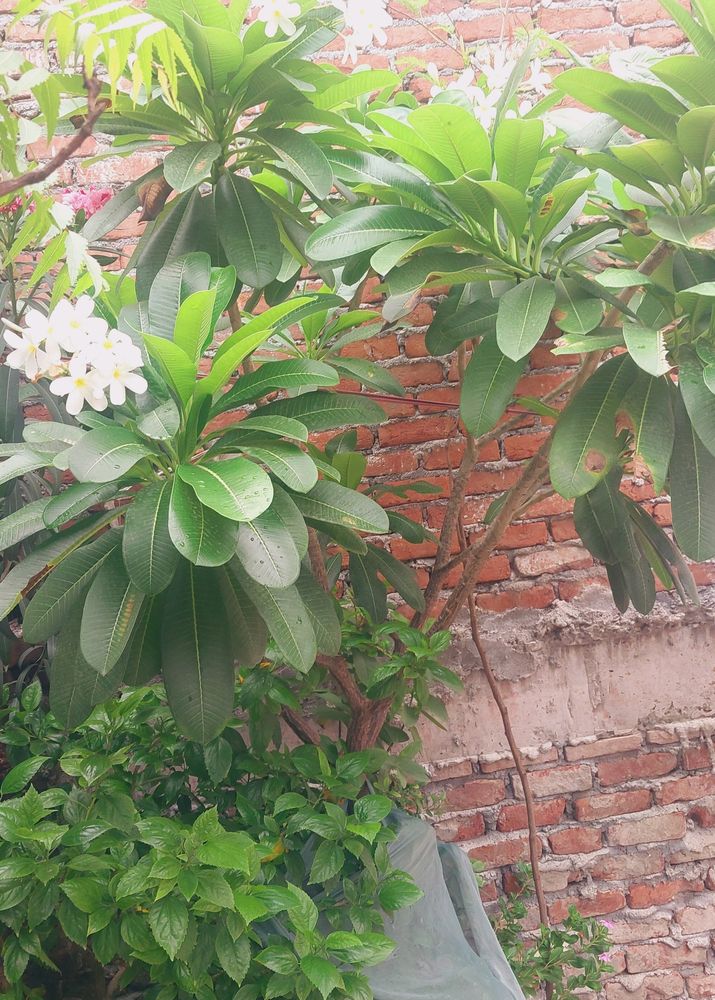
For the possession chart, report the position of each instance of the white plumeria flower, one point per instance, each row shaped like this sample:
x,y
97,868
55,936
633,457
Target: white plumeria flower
x,y
366,21
277,15
70,326
119,379
485,106
498,70
538,79
28,355
112,347
82,385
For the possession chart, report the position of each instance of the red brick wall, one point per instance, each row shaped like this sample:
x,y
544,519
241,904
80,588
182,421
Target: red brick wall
x,y
627,832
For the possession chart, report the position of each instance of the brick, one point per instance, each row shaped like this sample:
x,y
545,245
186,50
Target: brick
x,y
523,597
663,986
661,737
612,804
617,867
646,894
604,748
556,18
391,463
557,780
639,12
552,560
632,929
521,536
651,829
701,986
591,42
650,765
698,845
502,851
506,762
545,814
696,919
492,26
697,758
375,349
417,430
685,789
658,37
703,814
569,590
576,840
472,794
443,770
649,957
520,446
462,828
595,906
418,373
563,529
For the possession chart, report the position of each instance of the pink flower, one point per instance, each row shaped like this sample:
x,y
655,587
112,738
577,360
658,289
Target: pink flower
x,y
87,200
11,206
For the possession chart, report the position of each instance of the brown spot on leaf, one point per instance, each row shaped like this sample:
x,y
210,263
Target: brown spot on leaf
x,y
704,241
624,421
546,207
152,198
595,461
557,314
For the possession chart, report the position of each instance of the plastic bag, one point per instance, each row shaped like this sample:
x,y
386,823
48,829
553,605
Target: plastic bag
x,y
446,948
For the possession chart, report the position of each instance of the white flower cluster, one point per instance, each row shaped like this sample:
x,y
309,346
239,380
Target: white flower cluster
x,y
84,358
365,21
484,85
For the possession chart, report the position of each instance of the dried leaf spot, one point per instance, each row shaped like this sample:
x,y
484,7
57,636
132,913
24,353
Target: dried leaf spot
x,y
152,198
595,461
704,241
546,207
624,421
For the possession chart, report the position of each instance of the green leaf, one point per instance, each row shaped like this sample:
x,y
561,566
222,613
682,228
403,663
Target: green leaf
x,y
267,550
178,367
323,411
21,775
648,109
161,423
196,655
186,166
201,535
176,281
647,347
488,386
284,613
692,486
376,171
193,324
322,974
288,463
75,686
279,958
398,890
454,137
369,591
320,607
555,206
700,35
523,315
247,630
696,136
517,146
369,374
364,229
279,426
699,400
169,922
653,159
43,558
17,465
76,499
327,862
217,53
105,454
23,523
110,613
143,656
276,375
576,313
694,231
248,234
372,808
455,321
302,157
150,557
648,409
235,488
689,75
66,584
334,504
400,576
218,757
584,445
234,956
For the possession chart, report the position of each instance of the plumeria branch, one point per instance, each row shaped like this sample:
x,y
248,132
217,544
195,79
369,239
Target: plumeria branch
x,y
95,108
